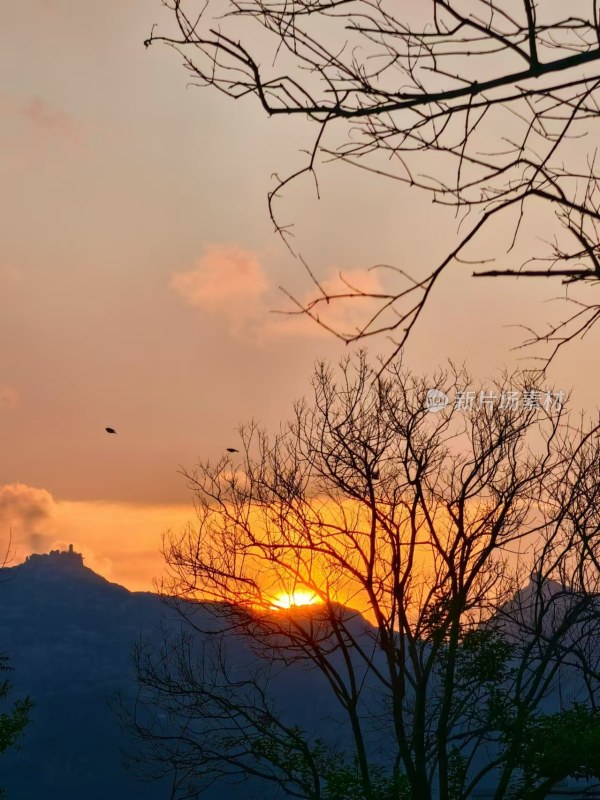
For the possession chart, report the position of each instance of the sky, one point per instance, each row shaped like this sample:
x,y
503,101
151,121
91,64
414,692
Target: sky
x,y
139,273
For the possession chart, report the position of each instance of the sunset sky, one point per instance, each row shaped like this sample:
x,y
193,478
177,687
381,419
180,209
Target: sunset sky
x,y
139,270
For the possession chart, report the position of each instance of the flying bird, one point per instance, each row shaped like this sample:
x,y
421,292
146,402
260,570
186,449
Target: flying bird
x,y
110,430
232,450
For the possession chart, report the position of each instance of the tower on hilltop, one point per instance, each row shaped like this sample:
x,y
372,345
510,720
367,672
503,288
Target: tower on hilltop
x,y
65,556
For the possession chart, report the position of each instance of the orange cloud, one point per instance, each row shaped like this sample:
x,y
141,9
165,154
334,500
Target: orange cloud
x,y
228,282
233,284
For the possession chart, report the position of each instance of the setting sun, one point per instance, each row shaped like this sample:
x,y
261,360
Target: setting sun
x,y
298,598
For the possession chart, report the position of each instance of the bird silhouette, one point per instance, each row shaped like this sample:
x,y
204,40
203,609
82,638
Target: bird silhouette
x,y
232,450
110,430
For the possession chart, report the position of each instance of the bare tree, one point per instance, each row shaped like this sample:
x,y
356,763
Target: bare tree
x,y
484,104
430,525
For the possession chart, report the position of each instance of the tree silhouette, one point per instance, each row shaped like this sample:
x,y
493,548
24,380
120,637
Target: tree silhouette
x,y
472,559
14,720
489,106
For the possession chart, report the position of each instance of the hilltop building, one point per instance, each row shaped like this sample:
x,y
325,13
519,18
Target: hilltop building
x,y
65,557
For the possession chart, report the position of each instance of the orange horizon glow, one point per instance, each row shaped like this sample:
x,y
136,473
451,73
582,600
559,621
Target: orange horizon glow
x,y
299,597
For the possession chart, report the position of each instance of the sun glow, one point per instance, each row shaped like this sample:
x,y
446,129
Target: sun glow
x,y
300,597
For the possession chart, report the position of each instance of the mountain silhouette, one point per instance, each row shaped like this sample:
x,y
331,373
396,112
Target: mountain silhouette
x,y
69,634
